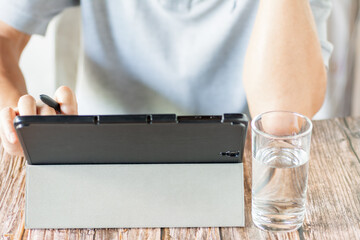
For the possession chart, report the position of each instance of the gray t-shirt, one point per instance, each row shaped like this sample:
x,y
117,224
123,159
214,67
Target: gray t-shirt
x,y
182,56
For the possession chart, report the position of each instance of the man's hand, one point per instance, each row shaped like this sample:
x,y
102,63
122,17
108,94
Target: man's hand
x,y
13,89
27,106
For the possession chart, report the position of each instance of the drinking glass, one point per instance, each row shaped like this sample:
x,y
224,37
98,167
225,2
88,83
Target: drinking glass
x,y
280,150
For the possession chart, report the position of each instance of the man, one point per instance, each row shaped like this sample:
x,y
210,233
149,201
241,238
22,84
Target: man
x,y
199,56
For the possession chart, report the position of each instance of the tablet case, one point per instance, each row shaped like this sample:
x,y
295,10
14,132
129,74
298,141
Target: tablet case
x,y
134,195
113,139
195,179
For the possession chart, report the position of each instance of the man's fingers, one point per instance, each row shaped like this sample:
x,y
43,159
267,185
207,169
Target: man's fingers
x,y
7,116
7,132
27,105
46,110
67,100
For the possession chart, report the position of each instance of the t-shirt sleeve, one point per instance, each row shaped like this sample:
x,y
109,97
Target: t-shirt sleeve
x,y
321,10
32,16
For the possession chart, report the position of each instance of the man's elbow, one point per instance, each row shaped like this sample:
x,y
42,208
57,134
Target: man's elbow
x,y
318,90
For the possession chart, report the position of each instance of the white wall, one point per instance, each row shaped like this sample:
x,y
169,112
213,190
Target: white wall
x,y
50,61
37,64
341,78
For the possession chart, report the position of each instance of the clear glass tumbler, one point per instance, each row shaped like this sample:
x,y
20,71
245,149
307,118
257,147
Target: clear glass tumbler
x,y
280,150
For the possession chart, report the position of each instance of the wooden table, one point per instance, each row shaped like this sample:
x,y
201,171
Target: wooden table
x,y
333,199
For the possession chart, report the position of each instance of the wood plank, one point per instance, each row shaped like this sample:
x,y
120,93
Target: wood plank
x,y
93,234
333,208
64,234
191,233
352,131
12,201
126,234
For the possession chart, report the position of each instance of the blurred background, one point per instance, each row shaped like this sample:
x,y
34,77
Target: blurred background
x,y
57,58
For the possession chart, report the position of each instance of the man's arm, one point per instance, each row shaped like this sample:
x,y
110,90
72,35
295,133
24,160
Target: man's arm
x,y
284,69
12,83
13,98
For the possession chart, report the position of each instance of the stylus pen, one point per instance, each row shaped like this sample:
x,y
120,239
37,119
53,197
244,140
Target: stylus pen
x,y
50,102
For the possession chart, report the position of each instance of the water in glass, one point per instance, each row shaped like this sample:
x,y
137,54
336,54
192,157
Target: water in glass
x,y
279,188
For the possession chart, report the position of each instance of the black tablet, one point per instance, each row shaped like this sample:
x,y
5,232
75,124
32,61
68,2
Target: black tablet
x,y
132,139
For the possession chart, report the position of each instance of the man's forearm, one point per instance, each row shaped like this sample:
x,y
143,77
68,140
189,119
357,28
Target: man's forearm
x,y
283,67
9,94
12,84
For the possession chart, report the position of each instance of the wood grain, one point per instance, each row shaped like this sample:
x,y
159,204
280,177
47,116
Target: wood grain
x,y
12,189
334,177
191,233
333,208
